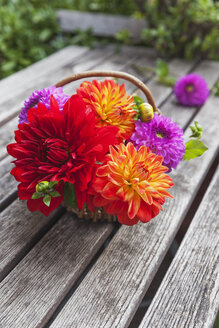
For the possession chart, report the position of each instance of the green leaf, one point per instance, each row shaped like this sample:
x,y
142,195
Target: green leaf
x,y
162,69
194,148
123,36
52,184
138,100
37,195
167,80
70,196
55,194
47,200
215,89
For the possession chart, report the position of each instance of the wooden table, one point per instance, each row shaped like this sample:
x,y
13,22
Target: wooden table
x,y
61,272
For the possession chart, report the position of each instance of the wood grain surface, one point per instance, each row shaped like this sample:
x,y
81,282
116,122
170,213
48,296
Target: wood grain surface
x,y
7,183
189,293
20,80
19,230
33,290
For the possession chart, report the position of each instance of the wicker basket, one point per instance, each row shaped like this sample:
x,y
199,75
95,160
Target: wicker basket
x,y
99,215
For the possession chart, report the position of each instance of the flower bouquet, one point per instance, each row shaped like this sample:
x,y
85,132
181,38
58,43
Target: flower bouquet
x,y
103,153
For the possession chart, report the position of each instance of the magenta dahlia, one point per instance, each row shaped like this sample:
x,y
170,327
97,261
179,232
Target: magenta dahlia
x,y
43,96
163,136
191,90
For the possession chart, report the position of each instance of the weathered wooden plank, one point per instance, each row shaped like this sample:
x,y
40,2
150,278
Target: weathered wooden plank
x,y
177,67
21,79
121,61
189,295
101,24
11,106
134,254
36,286
7,183
19,231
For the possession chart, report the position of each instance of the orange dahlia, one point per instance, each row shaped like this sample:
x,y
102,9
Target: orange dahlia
x,y
131,184
111,105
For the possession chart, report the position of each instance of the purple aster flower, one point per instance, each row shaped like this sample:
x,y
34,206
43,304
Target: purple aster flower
x,y
163,136
191,90
42,96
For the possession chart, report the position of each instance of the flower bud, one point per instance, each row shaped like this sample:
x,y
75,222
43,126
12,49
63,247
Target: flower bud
x,y
196,131
42,186
146,112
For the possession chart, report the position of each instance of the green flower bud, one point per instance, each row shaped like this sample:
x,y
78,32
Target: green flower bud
x,y
43,186
146,112
196,130
46,190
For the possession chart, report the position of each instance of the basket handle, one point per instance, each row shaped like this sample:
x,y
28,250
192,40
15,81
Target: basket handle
x,y
116,74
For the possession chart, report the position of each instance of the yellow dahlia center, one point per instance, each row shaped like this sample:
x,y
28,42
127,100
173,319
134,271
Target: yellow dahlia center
x,y
159,135
190,87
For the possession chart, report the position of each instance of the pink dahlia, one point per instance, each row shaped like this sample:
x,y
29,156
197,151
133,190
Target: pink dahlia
x,y
163,136
191,90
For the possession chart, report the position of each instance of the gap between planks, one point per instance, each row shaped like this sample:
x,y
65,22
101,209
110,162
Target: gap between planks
x,y
188,295
71,243
20,231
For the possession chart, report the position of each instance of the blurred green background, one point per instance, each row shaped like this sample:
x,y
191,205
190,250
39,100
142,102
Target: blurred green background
x,y
30,31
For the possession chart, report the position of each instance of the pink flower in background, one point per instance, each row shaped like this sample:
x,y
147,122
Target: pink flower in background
x,y
191,90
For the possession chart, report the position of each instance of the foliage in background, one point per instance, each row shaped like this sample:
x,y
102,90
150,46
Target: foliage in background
x,y
117,7
183,28
215,89
30,31
27,28
163,74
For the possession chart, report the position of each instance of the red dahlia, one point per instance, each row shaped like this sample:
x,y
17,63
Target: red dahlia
x,y
59,146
